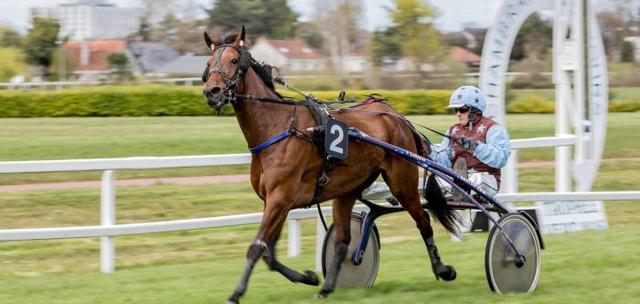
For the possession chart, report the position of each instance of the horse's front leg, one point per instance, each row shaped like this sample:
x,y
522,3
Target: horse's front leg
x,y
275,213
308,277
342,221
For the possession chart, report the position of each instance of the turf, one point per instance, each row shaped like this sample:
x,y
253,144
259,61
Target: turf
x,y
203,266
71,138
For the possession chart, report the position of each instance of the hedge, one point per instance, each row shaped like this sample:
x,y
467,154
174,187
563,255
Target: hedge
x,y
170,100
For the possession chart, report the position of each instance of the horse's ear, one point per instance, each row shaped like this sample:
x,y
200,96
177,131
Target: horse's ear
x,y
208,41
240,38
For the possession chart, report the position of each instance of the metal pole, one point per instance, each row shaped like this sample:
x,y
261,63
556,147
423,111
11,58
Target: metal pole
x,y
107,218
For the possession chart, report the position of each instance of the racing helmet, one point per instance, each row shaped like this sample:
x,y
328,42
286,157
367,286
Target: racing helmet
x,y
467,96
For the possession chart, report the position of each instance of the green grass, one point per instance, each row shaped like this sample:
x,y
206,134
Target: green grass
x,y
70,138
65,138
584,267
203,266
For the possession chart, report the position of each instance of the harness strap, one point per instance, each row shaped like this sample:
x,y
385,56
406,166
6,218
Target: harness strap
x,y
323,179
270,141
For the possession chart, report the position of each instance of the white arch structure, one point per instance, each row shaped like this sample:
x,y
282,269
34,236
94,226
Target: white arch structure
x,y
581,93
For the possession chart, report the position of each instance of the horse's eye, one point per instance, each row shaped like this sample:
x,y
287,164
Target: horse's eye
x,y
234,61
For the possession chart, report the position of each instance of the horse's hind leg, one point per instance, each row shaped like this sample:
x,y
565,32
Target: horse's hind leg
x,y
341,220
309,277
404,187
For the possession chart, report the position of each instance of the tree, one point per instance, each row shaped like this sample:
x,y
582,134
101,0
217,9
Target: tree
x,y
534,39
273,18
337,22
412,34
413,20
627,52
612,28
279,20
119,62
145,29
385,44
40,43
11,63
185,36
308,32
9,38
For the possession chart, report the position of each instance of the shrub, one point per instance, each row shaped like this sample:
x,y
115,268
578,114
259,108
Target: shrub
x,y
624,106
531,104
150,100
167,100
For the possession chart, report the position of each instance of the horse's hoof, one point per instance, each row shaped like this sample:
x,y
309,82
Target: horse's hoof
x,y
234,299
446,272
310,278
323,294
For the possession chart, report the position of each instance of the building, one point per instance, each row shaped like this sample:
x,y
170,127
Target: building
x,y
184,66
92,19
465,56
356,62
288,55
91,58
149,57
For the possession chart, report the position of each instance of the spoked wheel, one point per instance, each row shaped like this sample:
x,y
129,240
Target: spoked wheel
x,y
501,263
363,275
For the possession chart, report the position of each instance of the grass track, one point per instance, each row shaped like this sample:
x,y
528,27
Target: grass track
x,y
203,266
584,267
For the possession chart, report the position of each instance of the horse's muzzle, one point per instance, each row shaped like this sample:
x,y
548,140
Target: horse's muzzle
x,y
215,98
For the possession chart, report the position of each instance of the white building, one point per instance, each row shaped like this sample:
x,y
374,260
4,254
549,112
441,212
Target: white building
x,y
288,55
92,19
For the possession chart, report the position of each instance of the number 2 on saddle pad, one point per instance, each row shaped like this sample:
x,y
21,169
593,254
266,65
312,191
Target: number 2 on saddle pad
x,y
336,139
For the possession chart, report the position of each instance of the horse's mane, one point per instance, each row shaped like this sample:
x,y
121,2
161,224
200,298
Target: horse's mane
x,y
264,72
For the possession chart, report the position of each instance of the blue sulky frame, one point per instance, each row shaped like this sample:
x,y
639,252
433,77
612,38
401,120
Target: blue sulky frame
x,y
451,177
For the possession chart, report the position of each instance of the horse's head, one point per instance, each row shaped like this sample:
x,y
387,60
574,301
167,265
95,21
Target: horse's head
x,y
225,69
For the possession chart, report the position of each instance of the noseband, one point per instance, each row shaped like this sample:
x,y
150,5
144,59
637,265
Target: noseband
x,y
231,83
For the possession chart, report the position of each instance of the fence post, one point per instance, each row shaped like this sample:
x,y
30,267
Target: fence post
x,y
107,218
294,234
510,176
319,241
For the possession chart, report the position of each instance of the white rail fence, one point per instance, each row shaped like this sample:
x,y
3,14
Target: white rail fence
x,y
108,229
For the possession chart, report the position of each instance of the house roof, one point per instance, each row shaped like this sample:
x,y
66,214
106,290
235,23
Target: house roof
x,y
98,51
464,55
152,55
185,65
294,49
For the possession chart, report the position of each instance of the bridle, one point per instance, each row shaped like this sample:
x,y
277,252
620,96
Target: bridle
x,y
231,82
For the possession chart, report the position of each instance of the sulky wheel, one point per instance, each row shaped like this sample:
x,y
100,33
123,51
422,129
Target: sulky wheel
x,y
501,264
363,275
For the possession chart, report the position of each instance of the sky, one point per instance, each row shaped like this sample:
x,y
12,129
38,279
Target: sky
x,y
453,14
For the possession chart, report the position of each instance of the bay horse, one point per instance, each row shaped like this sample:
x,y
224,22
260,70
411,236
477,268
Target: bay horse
x,y
284,174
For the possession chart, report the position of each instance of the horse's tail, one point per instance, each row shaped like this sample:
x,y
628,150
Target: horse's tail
x,y
438,207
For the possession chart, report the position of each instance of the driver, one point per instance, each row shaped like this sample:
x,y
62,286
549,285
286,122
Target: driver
x,y
476,146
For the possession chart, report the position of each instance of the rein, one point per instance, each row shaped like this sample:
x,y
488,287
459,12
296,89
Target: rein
x,y
455,139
